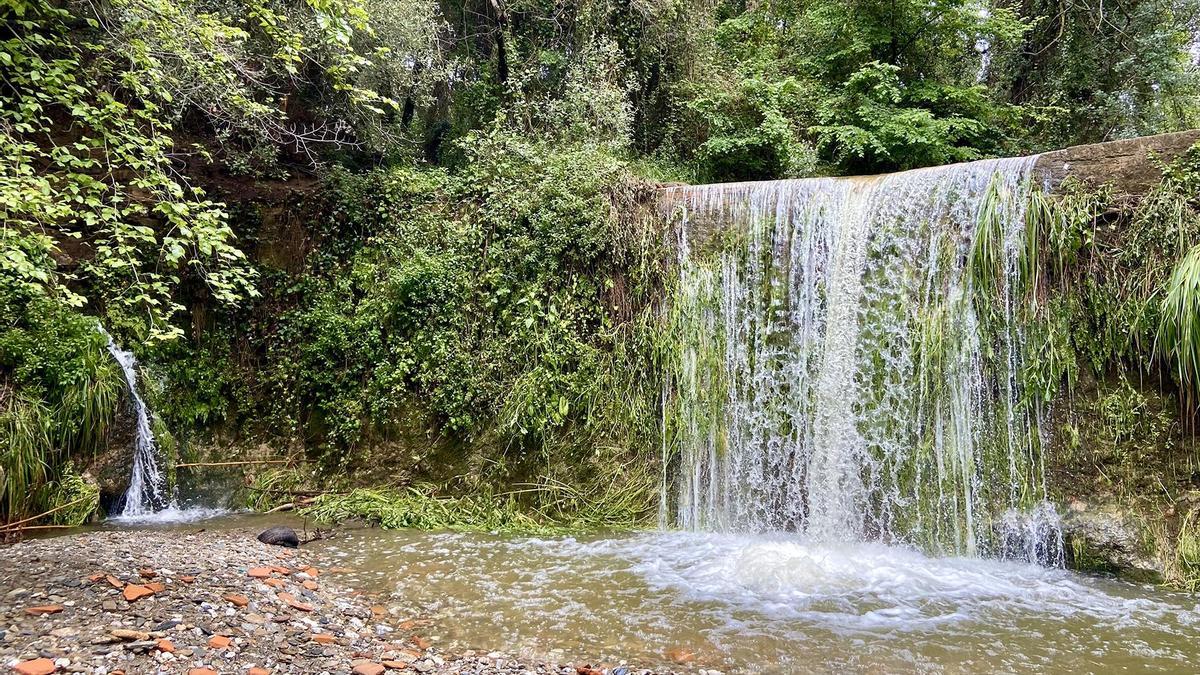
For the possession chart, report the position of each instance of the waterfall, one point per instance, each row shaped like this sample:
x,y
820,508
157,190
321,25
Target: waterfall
x,y
145,494
841,372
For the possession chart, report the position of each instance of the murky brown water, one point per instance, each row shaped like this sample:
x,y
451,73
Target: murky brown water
x,y
755,604
770,604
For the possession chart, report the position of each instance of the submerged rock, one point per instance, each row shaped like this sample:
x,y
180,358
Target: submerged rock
x,y
280,535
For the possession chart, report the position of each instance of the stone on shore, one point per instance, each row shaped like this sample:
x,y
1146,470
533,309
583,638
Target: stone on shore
x,y
280,535
43,609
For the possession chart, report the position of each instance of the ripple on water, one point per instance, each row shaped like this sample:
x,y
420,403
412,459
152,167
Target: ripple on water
x,y
772,603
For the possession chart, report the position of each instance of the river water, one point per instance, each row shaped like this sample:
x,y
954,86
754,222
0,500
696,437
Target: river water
x,y
750,603
769,603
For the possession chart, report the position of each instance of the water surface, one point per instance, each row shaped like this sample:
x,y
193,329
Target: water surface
x,y
769,604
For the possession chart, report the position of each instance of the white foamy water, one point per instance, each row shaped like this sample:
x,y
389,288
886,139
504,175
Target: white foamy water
x,y
171,515
770,603
146,493
841,374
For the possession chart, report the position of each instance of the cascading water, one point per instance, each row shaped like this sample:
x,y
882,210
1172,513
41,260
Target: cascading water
x,y
146,492
850,368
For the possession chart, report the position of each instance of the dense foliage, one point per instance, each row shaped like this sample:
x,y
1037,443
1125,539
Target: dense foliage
x,y
466,274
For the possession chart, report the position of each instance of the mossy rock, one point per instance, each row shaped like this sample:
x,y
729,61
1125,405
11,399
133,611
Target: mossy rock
x,y
1110,539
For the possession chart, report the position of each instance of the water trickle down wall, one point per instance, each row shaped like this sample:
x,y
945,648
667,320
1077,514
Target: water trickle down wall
x,y
842,372
146,491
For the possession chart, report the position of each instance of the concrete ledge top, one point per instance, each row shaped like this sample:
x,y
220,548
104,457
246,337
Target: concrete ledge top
x,y
1127,164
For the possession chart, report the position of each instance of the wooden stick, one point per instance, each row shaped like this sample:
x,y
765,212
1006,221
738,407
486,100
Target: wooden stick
x,y
248,461
42,515
42,527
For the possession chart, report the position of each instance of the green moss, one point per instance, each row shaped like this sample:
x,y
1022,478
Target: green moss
x,y
1083,559
537,508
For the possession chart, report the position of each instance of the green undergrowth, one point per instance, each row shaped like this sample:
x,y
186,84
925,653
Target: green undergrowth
x,y
1110,287
420,509
547,505
476,329
59,393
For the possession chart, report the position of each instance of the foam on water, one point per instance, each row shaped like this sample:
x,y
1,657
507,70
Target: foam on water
x,y
171,515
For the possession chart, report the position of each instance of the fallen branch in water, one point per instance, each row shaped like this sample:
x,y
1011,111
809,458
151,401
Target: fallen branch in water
x,y
240,463
292,505
19,523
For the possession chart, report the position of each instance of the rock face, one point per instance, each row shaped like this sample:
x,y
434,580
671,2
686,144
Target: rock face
x,y
280,535
1126,164
1109,539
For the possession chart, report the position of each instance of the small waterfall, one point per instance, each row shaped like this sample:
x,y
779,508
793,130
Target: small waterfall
x,y
146,492
840,371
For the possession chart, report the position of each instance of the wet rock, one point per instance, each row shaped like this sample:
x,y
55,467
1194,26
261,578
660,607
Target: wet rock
x,y
680,655
1109,539
280,535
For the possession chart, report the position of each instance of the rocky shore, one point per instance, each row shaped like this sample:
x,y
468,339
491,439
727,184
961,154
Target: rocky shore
x,y
203,603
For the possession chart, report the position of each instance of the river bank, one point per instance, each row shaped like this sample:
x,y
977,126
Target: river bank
x,y
202,601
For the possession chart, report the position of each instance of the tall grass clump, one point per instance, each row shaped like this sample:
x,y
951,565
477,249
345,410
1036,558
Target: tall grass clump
x,y
1179,325
24,446
1113,282
59,391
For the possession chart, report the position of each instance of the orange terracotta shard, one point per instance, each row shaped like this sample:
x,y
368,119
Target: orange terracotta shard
x,y
291,601
35,667
133,592
237,600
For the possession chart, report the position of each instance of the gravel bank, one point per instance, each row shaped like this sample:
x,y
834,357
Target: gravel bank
x,y
209,602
